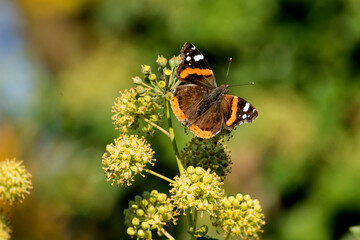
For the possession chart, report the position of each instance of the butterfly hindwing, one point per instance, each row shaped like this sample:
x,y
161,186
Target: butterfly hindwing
x,y
237,111
183,100
194,68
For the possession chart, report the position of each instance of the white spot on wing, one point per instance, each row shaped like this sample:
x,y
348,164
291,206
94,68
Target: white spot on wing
x,y
198,57
193,48
254,110
246,108
188,58
243,116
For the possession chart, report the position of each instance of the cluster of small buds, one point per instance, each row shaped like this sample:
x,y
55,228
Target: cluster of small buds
x,y
167,81
5,230
150,212
208,153
134,106
198,189
15,181
241,216
125,158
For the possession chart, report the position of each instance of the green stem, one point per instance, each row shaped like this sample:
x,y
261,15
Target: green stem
x,y
195,218
228,236
172,137
157,126
159,175
191,223
155,89
166,234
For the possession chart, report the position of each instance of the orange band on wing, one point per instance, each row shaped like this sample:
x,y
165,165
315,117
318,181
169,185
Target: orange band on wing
x,y
201,133
234,108
187,71
176,108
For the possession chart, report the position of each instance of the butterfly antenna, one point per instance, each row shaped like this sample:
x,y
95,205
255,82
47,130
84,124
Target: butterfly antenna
x,y
244,84
227,73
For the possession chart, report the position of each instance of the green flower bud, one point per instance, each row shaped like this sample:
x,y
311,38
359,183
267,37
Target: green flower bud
x,y
175,61
152,77
137,80
167,72
162,84
131,231
208,153
161,61
145,69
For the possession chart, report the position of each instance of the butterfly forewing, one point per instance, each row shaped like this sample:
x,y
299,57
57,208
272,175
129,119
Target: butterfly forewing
x,y
194,68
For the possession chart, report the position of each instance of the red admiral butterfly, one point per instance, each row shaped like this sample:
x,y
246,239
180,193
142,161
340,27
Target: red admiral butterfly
x,y
201,105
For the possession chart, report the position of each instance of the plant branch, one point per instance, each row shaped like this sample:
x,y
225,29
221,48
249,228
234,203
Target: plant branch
x,y
157,126
159,175
172,137
163,231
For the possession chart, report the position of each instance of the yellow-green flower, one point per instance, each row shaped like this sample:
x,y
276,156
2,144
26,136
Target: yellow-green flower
x,y
145,69
152,77
134,107
208,153
167,72
240,215
125,158
197,188
152,211
15,181
161,61
175,61
5,229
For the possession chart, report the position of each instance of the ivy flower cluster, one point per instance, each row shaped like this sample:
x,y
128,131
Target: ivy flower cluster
x,y
15,181
15,184
241,216
5,230
152,211
197,188
136,107
125,158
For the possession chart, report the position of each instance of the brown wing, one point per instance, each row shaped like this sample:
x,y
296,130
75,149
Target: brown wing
x,y
208,124
237,111
184,100
194,68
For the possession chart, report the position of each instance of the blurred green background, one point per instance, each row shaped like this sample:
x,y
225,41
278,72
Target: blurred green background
x,y
62,62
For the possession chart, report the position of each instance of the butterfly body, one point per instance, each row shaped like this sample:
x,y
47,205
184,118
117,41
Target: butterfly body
x,y
202,106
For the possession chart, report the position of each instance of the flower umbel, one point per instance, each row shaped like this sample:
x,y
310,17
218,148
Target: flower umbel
x,y
135,106
207,153
15,181
125,158
197,188
240,215
5,230
149,212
